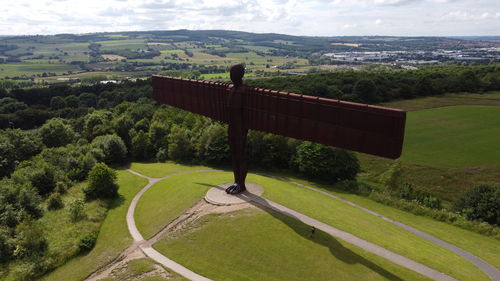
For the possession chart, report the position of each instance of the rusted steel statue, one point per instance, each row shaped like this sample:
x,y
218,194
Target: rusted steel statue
x,y
359,127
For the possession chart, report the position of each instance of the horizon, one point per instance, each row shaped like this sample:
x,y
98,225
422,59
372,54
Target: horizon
x,y
324,18
232,30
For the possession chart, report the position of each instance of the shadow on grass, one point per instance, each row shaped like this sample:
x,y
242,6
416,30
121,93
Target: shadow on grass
x,y
324,239
319,237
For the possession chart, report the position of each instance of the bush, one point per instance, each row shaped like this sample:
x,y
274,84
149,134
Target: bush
x,y
39,173
87,242
113,148
101,183
325,162
30,240
480,203
76,210
440,215
407,192
55,201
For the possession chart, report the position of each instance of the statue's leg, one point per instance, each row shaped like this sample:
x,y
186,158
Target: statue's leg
x,y
237,143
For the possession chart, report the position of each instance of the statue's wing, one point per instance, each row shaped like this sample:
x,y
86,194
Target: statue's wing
x,y
353,126
201,97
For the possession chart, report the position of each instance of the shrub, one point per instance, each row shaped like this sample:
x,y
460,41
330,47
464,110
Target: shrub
x,y
480,203
101,183
325,162
30,240
87,242
61,187
76,210
55,201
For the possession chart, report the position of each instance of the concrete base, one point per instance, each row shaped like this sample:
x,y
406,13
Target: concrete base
x,y
217,195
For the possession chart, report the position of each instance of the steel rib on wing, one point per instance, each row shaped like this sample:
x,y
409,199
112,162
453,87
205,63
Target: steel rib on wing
x,y
206,98
359,127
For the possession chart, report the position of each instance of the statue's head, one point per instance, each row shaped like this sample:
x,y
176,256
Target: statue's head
x,y
236,74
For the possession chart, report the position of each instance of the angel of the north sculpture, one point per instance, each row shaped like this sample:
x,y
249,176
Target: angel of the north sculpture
x,y
359,127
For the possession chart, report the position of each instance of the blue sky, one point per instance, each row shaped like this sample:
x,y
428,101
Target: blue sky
x,y
315,18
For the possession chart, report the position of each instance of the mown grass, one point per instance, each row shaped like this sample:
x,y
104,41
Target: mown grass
x,y
368,227
255,245
482,246
164,200
113,235
454,137
158,170
169,198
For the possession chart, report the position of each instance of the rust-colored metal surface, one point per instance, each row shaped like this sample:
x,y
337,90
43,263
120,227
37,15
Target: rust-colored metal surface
x,y
359,127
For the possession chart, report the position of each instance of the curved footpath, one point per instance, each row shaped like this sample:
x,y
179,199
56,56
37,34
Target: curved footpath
x,y
492,272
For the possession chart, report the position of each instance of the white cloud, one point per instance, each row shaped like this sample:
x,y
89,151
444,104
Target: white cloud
x,y
301,17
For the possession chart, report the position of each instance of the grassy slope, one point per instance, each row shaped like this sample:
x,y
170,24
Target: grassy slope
x,y
250,244
113,236
366,226
455,137
482,246
171,197
330,211
158,170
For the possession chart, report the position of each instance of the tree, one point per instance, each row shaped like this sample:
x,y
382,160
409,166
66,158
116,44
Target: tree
x,y
57,102
56,132
72,101
480,203
180,147
212,146
113,148
142,148
87,100
101,183
366,90
325,162
39,173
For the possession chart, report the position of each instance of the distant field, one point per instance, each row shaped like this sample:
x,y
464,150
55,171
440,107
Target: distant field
x,y
454,136
489,98
30,69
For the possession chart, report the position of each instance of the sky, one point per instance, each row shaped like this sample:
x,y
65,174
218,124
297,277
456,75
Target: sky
x,y
294,17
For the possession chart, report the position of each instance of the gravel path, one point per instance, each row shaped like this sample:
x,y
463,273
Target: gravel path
x,y
396,258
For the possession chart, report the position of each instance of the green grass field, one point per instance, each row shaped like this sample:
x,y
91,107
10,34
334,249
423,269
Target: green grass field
x,y
256,245
29,69
158,170
170,197
454,136
113,236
